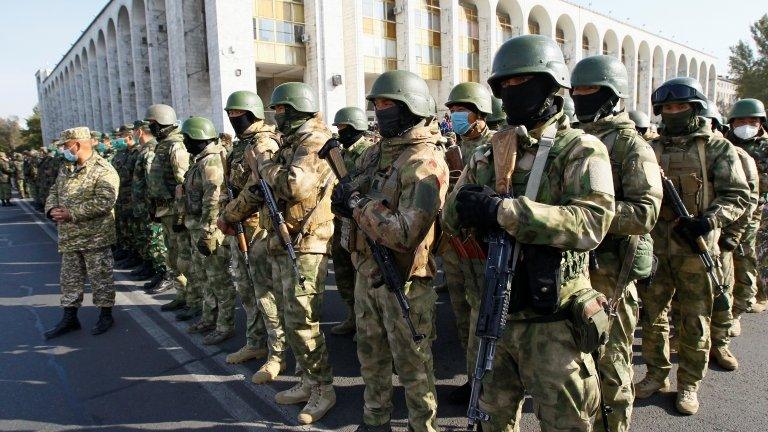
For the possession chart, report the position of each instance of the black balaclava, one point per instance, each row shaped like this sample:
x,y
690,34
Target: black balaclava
x,y
194,147
593,107
531,102
396,120
349,135
160,131
242,122
290,120
681,123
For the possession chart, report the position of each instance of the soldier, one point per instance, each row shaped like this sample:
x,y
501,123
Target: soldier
x,y
203,193
81,203
498,118
244,109
394,199
30,174
747,124
18,168
7,172
469,103
302,184
125,256
149,233
572,211
707,173
625,255
352,124
261,144
167,171
643,125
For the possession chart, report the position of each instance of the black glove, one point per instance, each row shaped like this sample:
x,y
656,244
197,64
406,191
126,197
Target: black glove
x,y
340,196
727,244
177,228
477,207
695,226
206,246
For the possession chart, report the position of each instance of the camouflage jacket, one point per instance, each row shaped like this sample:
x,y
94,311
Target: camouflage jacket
x,y
167,171
89,193
727,186
354,151
240,172
18,168
261,148
406,181
139,189
302,184
754,213
757,147
6,170
30,168
204,190
468,146
575,203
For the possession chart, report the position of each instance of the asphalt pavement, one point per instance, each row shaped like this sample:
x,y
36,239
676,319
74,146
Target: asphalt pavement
x,y
147,373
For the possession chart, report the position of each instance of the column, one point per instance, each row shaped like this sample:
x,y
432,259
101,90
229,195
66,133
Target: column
x,y
324,58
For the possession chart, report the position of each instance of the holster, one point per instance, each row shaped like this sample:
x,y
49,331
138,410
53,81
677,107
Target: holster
x,y
538,279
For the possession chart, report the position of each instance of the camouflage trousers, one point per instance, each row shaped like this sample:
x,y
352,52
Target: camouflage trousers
x,y
686,276
745,271
5,191
454,281
32,189
153,245
540,359
178,256
615,365
383,339
302,305
722,321
255,330
96,265
21,186
343,269
212,275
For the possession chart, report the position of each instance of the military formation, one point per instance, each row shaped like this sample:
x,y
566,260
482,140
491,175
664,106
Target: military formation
x,y
560,220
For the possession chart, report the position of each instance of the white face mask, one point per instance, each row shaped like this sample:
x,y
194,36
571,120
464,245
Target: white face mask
x,y
745,132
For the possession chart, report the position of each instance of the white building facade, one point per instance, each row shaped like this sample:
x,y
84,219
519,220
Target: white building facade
x,y
192,54
727,94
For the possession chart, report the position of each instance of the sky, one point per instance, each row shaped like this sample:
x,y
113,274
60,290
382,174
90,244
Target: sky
x,y
35,34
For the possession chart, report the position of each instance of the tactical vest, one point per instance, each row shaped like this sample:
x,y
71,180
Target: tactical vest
x,y
193,190
161,181
618,143
685,166
385,187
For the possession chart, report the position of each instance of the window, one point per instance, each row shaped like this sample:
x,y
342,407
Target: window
x,y
428,39
560,36
533,26
469,42
585,46
504,29
605,48
278,28
379,36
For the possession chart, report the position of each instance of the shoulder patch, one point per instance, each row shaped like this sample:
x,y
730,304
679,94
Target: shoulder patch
x,y
600,176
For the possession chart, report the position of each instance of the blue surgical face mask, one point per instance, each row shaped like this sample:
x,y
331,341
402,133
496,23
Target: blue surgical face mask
x,y
101,147
461,124
68,155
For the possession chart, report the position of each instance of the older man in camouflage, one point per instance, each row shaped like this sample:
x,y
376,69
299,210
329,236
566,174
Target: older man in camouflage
x,y
81,203
710,180
599,82
556,223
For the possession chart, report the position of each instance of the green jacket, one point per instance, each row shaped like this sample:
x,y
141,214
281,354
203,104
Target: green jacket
x,y
204,190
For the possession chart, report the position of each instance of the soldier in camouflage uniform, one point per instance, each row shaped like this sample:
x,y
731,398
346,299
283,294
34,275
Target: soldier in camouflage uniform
x,y
599,82
748,116
125,253
395,196
7,172
18,168
708,175
469,103
203,193
261,145
149,235
30,174
166,172
81,204
498,118
352,123
245,109
643,125
537,353
302,183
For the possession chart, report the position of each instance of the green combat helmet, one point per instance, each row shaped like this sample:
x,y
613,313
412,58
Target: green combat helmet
x,y
245,100
747,108
352,116
603,71
296,95
498,116
199,128
679,90
471,93
405,87
525,55
640,118
162,114
711,112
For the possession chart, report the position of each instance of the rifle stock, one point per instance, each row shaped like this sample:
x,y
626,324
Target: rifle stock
x,y
242,243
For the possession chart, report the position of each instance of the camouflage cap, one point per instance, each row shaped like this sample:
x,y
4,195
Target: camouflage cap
x,y
125,129
95,135
140,124
78,133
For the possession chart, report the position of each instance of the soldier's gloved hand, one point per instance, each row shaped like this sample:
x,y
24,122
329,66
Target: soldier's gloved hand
x,y
728,244
340,196
695,226
178,227
206,246
225,227
477,207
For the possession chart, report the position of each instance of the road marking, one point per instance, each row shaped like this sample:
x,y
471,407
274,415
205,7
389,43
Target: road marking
x,y
213,383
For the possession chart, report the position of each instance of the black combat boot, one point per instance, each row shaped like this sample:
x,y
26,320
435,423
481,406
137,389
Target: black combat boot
x,y
68,323
153,283
120,254
132,261
144,271
105,321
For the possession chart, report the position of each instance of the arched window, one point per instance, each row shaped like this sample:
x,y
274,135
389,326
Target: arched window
x,y
533,26
504,28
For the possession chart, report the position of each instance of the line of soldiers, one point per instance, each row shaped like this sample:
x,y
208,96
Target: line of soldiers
x,y
596,234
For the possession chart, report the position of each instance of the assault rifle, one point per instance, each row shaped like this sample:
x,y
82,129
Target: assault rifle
x,y
242,243
281,229
391,276
721,301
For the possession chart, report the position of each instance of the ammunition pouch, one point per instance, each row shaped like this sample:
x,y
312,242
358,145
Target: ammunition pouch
x,y
590,320
543,277
642,263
